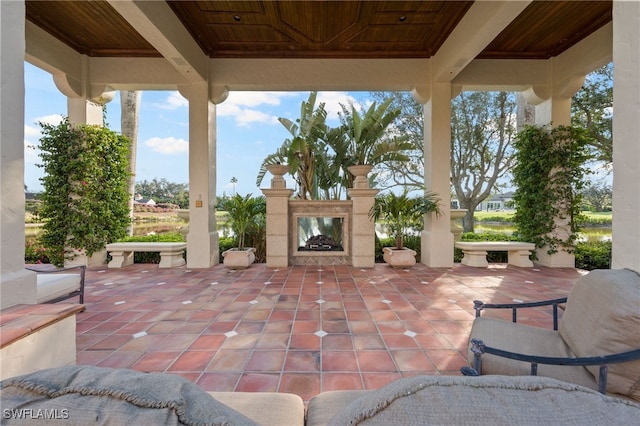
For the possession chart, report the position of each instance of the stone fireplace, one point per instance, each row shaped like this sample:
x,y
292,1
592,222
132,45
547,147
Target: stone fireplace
x,y
319,232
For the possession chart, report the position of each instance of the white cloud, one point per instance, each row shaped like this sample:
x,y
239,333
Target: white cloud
x,y
333,100
253,99
168,145
52,119
173,102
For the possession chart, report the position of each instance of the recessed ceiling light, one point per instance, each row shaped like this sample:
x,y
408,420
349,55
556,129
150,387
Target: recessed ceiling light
x,y
402,18
236,18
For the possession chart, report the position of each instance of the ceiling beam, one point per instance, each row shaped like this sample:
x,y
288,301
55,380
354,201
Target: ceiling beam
x,y
156,22
479,27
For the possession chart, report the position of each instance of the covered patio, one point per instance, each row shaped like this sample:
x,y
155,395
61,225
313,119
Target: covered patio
x,y
300,329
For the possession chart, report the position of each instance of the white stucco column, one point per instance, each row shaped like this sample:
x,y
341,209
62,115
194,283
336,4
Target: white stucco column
x,y
202,239
83,111
17,285
437,239
626,135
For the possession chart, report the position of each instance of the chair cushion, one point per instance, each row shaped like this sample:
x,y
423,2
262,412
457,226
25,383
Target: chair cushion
x,y
265,408
51,286
93,395
602,317
524,339
325,405
439,400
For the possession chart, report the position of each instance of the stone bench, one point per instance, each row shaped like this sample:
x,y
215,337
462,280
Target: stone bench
x,y
475,252
170,253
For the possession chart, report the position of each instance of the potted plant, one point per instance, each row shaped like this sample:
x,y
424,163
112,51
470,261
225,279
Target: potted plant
x,y
243,213
400,213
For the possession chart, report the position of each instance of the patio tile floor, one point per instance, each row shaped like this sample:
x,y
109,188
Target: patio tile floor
x,y
302,329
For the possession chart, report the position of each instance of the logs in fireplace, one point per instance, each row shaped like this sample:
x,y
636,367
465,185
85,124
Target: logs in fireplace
x,y
321,243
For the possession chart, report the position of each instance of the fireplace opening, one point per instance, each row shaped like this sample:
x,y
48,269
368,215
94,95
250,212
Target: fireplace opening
x,y
320,234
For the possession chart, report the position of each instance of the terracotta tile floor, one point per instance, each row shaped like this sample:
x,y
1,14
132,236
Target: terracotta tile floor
x,y
303,329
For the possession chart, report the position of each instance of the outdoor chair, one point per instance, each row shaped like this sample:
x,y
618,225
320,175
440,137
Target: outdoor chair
x,y
595,343
54,285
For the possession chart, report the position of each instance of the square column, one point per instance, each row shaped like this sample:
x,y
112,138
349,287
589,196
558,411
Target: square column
x,y
626,128
363,228
202,239
437,239
277,224
17,285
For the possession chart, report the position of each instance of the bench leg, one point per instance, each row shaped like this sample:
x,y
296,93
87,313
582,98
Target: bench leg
x,y
520,258
171,259
477,258
120,259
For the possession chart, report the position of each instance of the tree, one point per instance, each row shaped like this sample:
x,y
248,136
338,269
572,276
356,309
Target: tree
x,y
305,151
368,138
84,202
592,107
597,197
482,133
130,109
409,123
163,191
244,212
234,180
401,213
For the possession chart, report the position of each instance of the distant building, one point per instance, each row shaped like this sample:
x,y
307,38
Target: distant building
x,y
493,203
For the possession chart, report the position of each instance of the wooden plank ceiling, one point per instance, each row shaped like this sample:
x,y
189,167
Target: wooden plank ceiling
x,y
321,29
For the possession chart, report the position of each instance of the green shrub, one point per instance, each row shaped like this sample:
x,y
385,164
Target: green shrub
x,y
35,252
153,257
593,255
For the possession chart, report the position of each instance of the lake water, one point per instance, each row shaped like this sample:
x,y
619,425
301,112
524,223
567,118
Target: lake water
x,y
587,234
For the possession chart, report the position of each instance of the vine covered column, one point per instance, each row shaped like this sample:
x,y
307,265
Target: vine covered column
x,y
553,108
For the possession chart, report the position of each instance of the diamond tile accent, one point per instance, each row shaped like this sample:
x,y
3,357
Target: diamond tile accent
x,y
231,333
424,282
319,282
267,282
387,301
187,302
109,283
518,301
410,333
120,302
214,283
161,283
528,282
320,301
140,334
321,333
253,302
452,301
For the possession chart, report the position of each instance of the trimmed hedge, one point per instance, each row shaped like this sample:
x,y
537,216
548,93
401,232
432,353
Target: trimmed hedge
x,y
593,255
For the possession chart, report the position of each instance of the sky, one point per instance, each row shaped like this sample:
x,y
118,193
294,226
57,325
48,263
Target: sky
x,y
247,130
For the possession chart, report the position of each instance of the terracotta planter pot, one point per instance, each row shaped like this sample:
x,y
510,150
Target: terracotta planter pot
x,y
239,258
403,258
